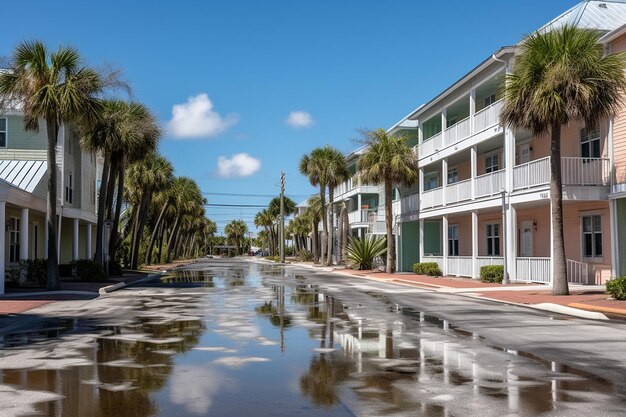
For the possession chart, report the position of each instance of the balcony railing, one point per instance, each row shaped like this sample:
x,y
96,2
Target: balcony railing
x,y
577,272
574,171
487,117
432,198
459,191
430,145
410,203
490,184
531,174
457,132
363,216
532,269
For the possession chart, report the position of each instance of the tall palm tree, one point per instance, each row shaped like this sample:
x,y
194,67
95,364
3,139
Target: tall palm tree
x,y
236,231
559,76
325,167
146,176
314,214
388,160
265,219
56,87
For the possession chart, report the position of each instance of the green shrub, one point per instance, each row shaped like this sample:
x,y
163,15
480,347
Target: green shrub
x,y
492,273
617,288
427,268
87,270
36,271
363,252
305,255
273,258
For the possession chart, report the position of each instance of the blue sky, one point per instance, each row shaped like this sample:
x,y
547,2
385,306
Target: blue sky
x,y
238,69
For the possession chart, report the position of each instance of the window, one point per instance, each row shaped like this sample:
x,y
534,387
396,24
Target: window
x,y
69,187
490,100
453,176
493,239
431,181
14,239
592,236
589,143
453,240
491,163
3,131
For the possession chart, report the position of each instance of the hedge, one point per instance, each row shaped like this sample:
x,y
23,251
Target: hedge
x,y
427,268
617,288
492,273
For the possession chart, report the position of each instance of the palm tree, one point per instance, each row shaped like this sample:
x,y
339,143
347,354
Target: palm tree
x,y
314,214
236,231
388,160
264,219
325,167
559,76
56,87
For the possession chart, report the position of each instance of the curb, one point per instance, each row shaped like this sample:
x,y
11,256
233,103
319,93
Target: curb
x,y
599,309
110,288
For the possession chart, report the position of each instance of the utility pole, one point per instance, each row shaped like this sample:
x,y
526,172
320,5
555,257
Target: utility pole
x,y
282,217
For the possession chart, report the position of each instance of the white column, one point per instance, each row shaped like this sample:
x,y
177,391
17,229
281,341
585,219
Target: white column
x,y
420,133
551,246
511,240
444,243
421,239
475,245
24,234
509,158
444,116
75,239
88,254
358,199
473,169
2,243
45,239
444,179
614,238
472,99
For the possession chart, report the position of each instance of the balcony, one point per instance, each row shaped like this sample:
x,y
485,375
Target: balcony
x,y
483,119
353,186
432,198
490,184
410,204
459,191
574,171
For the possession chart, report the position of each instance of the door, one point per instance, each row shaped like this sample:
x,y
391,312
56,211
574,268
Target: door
x,y
524,153
526,237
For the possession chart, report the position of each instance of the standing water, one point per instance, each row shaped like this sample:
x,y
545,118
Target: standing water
x,y
234,338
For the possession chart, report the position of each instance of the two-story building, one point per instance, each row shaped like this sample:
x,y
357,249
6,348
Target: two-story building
x,y
483,195
23,189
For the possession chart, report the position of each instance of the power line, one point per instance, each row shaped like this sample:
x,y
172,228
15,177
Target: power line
x,y
255,195
236,205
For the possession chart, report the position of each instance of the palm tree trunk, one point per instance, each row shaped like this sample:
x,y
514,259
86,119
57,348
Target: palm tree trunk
x,y
346,230
559,271
340,237
170,241
52,265
314,243
324,223
99,256
111,186
114,243
160,240
391,244
141,222
331,229
154,233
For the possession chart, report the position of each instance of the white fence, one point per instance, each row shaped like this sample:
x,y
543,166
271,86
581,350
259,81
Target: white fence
x,y
577,272
459,191
490,184
437,259
586,171
487,117
532,269
531,174
459,265
487,260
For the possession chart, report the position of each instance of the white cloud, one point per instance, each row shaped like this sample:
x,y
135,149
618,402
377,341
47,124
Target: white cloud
x,y
299,119
239,165
196,119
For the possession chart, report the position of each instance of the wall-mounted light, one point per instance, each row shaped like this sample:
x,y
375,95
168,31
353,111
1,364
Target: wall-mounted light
x,y
535,225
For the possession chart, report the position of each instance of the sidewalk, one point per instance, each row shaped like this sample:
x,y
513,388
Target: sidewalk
x,y
584,300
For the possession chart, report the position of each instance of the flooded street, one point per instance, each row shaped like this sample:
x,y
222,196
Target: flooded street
x,y
238,338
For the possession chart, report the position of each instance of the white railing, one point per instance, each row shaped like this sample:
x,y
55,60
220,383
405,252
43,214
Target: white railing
x,y
459,191
457,132
430,145
577,272
362,216
431,198
490,184
395,208
343,188
410,203
459,265
585,171
488,116
437,259
532,269
532,174
485,261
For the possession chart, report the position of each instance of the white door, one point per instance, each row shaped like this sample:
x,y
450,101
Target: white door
x,y
524,153
526,239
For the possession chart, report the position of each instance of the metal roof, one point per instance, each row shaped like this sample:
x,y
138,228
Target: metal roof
x,y
24,175
604,15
